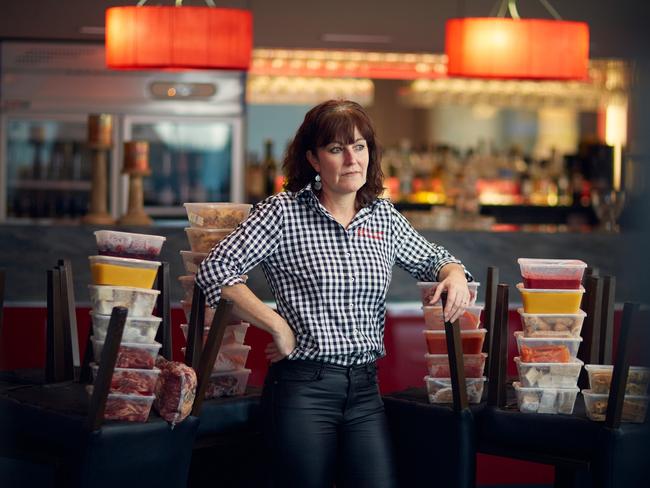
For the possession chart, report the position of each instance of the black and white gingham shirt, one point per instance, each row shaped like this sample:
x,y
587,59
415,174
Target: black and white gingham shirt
x,y
329,282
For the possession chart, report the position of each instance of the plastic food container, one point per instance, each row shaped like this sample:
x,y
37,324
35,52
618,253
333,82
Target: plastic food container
x,y
234,334
227,383
130,354
192,260
130,408
229,357
549,375
565,274
547,349
550,301
217,215
545,400
428,288
434,320
209,312
440,391
438,365
635,407
108,270
140,302
600,379
131,381
203,240
472,341
552,324
128,245
136,329
187,282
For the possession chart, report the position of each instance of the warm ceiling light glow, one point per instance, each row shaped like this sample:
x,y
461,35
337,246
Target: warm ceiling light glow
x,y
178,38
491,47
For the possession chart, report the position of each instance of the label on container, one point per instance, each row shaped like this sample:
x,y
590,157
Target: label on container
x,y
195,219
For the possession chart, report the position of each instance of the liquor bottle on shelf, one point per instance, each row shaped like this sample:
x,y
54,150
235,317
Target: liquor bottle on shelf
x,y
270,166
255,182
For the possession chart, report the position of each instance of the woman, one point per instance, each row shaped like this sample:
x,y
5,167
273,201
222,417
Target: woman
x,y
327,246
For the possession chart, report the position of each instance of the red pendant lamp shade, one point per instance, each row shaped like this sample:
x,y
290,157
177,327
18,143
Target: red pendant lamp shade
x,y
178,38
493,47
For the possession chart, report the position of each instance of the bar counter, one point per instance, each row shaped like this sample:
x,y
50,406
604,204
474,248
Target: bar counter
x,y
26,251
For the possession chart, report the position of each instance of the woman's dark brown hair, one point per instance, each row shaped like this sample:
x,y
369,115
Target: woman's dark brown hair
x,y
334,120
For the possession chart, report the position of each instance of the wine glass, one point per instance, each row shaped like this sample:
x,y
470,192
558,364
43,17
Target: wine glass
x,y
608,205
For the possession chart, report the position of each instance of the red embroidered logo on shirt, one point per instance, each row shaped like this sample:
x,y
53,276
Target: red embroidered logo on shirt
x,y
361,232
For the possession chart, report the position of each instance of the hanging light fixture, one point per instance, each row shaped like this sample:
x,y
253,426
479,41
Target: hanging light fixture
x,y
499,47
177,37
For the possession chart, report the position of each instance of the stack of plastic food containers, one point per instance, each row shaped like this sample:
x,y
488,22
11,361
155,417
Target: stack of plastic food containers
x,y
438,380
548,344
635,401
210,223
124,274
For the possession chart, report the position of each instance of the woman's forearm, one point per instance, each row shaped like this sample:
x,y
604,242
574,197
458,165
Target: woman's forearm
x,y
450,269
253,310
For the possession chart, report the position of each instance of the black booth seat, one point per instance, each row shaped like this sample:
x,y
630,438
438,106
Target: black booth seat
x,y
47,425
433,444
559,434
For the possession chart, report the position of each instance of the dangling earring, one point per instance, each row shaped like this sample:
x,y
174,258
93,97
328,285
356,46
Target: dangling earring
x,y
317,183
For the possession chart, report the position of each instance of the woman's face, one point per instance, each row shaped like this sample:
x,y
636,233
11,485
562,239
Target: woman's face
x,y
342,167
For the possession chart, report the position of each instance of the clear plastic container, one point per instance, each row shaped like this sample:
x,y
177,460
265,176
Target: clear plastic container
x,y
136,329
187,282
552,324
434,319
549,375
209,312
440,391
137,273
428,288
472,341
438,365
550,301
203,240
140,302
219,215
545,400
192,260
600,379
229,357
128,245
130,408
130,354
545,274
547,349
130,381
234,334
227,383
635,407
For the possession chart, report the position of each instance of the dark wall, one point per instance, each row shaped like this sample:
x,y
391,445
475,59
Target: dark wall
x,y
413,25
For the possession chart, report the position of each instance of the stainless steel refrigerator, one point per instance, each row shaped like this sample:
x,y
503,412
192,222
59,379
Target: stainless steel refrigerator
x,y
193,120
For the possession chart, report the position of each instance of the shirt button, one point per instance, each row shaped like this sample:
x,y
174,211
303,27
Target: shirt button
x,y
347,254
351,278
352,305
355,331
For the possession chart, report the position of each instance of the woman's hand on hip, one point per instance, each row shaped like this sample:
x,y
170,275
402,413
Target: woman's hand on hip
x,y
455,284
284,342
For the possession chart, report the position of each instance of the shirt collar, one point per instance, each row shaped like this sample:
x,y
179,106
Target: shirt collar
x,y
307,194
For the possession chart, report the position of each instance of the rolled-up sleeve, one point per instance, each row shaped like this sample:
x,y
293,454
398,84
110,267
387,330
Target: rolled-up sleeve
x,y
249,244
419,257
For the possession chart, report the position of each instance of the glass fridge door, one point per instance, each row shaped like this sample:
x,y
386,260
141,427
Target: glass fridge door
x,y
46,168
191,160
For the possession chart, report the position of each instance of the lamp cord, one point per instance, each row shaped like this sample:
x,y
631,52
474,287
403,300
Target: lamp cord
x,y
178,3
500,8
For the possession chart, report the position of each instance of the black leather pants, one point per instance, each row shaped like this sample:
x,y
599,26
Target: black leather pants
x,y
325,425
